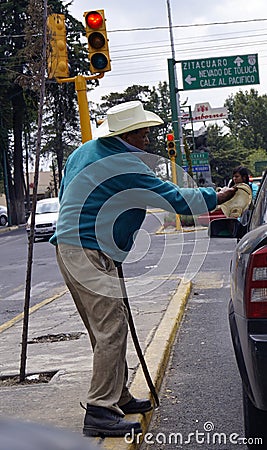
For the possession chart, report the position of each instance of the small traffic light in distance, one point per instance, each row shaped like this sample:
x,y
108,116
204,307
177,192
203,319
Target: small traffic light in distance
x,y
57,58
171,145
95,27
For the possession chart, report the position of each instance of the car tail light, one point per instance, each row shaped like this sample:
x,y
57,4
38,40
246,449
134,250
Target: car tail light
x,y
256,286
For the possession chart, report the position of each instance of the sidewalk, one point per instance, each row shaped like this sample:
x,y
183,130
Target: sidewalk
x,y
62,347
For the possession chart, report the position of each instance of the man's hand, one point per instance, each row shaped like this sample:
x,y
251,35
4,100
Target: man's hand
x,y
225,194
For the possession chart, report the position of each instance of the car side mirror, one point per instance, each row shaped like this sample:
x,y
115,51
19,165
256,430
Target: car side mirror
x,y
226,228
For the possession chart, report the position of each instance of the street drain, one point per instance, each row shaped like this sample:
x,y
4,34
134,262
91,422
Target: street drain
x,y
56,337
31,378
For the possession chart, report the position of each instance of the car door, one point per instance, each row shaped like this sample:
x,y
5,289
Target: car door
x,y
259,213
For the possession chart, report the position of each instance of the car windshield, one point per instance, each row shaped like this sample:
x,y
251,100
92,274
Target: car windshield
x,y
259,216
42,208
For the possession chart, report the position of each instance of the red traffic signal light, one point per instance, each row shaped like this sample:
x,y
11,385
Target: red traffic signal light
x,y
170,137
171,147
94,20
95,26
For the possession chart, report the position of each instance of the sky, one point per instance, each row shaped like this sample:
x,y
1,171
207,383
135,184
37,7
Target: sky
x,y
199,31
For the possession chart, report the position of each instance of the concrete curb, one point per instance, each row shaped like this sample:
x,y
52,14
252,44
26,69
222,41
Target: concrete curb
x,y
157,356
8,228
163,230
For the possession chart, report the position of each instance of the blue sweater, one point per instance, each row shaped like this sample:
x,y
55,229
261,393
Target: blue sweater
x,y
104,194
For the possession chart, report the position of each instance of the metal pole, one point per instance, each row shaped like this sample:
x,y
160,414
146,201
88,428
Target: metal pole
x,y
174,180
192,127
174,108
80,87
179,136
170,29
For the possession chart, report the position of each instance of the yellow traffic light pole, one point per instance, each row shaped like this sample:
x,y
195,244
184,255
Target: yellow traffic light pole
x,y
80,87
174,180
172,154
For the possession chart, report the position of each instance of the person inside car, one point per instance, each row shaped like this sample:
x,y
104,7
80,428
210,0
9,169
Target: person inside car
x,y
241,175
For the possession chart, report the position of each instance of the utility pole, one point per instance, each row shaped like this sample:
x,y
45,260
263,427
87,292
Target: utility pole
x,y
175,97
176,113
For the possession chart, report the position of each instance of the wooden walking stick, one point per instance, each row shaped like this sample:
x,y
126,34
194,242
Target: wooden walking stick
x,y
135,338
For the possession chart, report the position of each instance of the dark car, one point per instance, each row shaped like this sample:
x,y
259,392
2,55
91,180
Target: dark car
x,y
248,311
206,218
3,216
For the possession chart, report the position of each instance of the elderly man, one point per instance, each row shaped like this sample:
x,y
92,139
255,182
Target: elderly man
x,y
103,198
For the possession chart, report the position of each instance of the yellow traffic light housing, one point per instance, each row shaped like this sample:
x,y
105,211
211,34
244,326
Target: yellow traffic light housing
x,y
57,61
171,147
95,27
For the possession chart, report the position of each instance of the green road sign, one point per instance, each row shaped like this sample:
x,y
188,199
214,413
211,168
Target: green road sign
x,y
197,159
220,72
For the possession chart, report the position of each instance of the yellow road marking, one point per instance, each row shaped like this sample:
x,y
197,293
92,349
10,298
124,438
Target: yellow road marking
x,y
34,308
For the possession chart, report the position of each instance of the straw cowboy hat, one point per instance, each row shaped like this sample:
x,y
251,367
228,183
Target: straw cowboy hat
x,y
126,117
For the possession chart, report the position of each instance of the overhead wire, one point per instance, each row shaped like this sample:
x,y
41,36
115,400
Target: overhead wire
x,y
190,41
228,22
181,43
185,42
196,38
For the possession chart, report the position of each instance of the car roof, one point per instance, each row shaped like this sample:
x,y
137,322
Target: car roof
x,y
49,200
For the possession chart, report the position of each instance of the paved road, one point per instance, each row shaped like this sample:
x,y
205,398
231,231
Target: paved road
x,y
202,391
46,278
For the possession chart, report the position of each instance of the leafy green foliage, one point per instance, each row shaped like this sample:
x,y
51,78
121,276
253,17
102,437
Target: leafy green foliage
x,y
21,46
155,99
247,118
225,153
254,156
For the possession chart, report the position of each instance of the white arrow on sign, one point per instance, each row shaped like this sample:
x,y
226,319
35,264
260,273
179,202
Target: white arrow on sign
x,y
238,61
189,79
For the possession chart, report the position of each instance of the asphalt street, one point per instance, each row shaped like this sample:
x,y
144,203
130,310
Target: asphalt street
x,y
201,397
201,388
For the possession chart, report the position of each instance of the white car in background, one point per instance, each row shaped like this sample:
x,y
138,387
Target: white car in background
x,y
46,216
3,216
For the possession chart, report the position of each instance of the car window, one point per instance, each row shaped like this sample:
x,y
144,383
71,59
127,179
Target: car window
x,y
42,208
259,215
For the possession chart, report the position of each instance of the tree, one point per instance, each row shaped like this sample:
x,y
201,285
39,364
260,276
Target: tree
x,y
155,99
247,118
255,156
20,53
62,124
225,152
12,114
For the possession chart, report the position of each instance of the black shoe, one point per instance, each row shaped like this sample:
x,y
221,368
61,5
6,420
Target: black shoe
x,y
136,405
100,421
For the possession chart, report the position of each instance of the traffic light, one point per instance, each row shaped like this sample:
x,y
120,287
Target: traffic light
x,y
171,145
57,60
95,26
